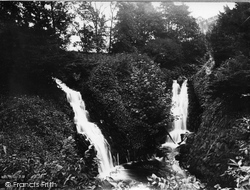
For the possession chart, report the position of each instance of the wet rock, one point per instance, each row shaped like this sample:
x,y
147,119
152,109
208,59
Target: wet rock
x,y
105,185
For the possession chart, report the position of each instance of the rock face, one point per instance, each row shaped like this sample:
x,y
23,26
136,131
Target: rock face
x,y
217,134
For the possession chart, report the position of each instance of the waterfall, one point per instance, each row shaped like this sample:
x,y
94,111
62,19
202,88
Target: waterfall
x,y
179,111
88,129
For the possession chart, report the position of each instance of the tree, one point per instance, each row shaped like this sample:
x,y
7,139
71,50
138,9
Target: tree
x,y
82,28
10,12
61,19
32,38
46,20
99,20
113,7
178,24
91,29
136,25
85,34
169,35
128,94
165,51
230,36
51,19
181,27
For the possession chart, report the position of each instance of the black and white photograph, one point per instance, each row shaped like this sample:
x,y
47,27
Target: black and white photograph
x,y
124,95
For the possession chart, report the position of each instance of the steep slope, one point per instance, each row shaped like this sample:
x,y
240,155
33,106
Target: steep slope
x,y
224,128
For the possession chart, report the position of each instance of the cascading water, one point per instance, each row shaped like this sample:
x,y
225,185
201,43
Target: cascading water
x,y
179,111
88,129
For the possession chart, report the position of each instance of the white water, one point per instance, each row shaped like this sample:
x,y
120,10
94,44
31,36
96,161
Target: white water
x,y
179,111
88,129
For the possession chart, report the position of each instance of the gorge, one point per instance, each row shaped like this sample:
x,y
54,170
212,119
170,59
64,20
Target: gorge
x,y
120,114
94,135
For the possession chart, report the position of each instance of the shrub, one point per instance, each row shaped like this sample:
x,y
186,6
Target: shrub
x,y
37,145
239,168
132,101
230,83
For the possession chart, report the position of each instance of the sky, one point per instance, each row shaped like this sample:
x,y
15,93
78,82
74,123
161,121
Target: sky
x,y
197,9
207,9
204,9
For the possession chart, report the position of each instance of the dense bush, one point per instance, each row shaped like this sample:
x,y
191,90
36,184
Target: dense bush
x,y
230,83
223,96
128,96
239,167
230,36
37,145
166,52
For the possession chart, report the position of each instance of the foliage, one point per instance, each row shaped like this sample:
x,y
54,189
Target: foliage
x,y
223,99
168,35
137,23
183,29
34,36
177,22
230,82
230,35
241,173
64,170
132,96
165,51
172,177
21,116
91,29
214,142
35,148
149,101
43,28
31,49
149,97
48,18
175,182
239,167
